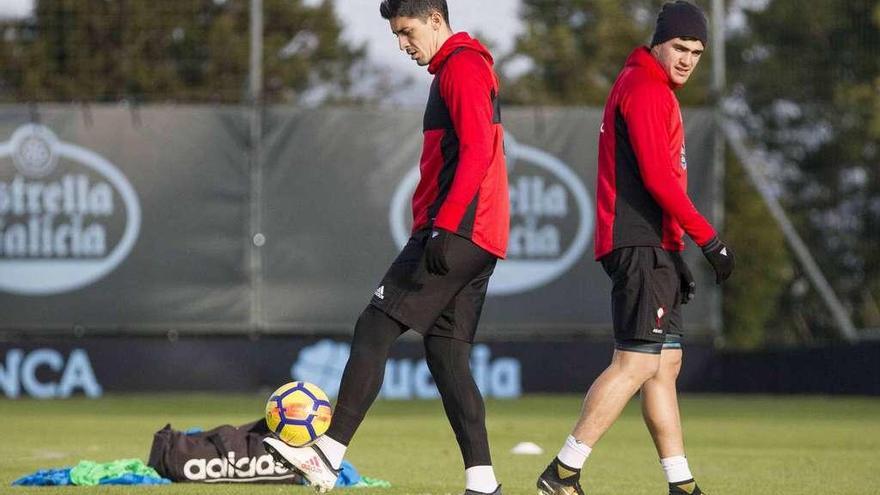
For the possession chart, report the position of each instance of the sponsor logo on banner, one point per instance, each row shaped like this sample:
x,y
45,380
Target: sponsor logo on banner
x,y
551,219
68,216
45,374
324,362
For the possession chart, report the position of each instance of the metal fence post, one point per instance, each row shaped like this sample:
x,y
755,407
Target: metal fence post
x,y
256,237
719,86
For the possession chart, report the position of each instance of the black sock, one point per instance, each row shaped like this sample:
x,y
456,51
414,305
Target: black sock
x,y
449,362
374,334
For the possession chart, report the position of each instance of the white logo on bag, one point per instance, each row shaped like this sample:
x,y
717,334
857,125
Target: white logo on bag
x,y
380,292
229,468
551,219
60,214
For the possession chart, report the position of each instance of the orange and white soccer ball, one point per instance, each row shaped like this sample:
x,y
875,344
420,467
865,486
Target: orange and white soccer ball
x,y
298,413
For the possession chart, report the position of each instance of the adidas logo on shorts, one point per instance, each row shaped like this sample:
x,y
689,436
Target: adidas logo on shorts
x,y
380,292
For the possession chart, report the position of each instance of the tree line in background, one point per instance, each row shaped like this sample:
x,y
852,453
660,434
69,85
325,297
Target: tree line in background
x,y
804,81
171,51
806,84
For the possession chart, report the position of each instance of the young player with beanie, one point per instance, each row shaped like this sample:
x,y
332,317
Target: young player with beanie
x,y
642,213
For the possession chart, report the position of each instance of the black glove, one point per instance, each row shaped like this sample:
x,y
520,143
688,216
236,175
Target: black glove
x,y
721,258
685,278
435,252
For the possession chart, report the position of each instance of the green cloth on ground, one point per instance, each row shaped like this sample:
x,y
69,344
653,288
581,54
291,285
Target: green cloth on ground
x,y
367,482
89,473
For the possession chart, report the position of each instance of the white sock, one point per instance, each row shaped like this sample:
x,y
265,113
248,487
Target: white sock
x,y
480,479
574,453
676,469
334,450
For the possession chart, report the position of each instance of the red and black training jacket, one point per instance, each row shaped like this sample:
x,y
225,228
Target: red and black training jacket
x,y
463,185
642,195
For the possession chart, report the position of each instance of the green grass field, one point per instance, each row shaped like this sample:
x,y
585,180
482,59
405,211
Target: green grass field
x,y
736,445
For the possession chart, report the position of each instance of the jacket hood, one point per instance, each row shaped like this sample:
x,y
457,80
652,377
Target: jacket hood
x,y
641,58
456,41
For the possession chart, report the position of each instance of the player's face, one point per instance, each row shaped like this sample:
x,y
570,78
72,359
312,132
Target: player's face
x,y
419,38
679,58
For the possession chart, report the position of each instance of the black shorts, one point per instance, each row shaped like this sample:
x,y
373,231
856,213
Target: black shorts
x,y
448,305
645,299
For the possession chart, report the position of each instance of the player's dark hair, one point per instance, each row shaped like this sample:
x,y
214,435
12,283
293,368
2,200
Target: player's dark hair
x,y
419,9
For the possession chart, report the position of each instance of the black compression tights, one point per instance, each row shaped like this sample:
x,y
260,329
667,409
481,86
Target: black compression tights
x,y
448,360
374,334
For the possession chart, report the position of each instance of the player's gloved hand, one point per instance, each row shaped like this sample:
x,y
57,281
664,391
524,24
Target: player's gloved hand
x,y
435,252
721,259
685,278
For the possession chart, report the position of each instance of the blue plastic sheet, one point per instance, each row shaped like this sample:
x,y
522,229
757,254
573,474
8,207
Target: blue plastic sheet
x,y
45,477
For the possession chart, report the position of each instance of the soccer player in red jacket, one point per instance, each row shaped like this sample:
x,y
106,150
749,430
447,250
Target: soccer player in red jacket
x,y
437,284
643,211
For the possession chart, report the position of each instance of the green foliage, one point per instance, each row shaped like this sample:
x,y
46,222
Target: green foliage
x,y
808,80
763,266
169,50
577,47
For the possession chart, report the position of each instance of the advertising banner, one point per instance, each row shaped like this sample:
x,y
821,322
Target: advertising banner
x,y
63,368
337,201
122,219
60,368
168,219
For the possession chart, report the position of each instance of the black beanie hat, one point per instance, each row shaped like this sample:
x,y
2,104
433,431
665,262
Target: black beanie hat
x,y
680,19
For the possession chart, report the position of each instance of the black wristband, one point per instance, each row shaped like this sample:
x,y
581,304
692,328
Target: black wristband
x,y
712,245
